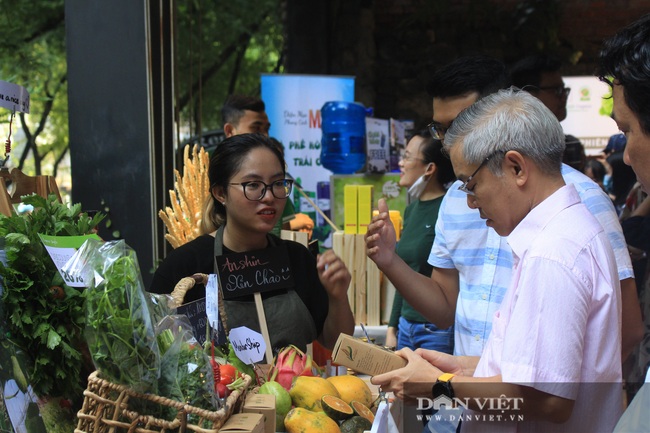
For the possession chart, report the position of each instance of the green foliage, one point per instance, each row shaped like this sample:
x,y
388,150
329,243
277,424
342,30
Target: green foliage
x,y
32,54
222,47
45,327
225,46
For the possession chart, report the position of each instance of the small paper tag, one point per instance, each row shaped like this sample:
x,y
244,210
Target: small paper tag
x,y
62,250
249,345
212,301
14,97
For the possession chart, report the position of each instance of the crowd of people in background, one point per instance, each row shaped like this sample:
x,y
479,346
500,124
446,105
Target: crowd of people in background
x,y
495,266
484,292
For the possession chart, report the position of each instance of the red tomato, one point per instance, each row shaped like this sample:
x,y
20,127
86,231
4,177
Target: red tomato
x,y
222,390
228,374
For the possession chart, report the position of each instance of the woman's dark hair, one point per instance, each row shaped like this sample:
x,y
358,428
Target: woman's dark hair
x,y
597,169
431,150
623,178
226,161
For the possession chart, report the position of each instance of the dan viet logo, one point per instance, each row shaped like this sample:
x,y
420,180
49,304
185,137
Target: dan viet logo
x,y
491,409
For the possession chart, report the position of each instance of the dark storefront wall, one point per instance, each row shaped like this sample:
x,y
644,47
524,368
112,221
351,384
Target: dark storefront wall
x,y
121,132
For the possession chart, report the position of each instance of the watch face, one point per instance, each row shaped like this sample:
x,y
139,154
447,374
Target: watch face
x,y
442,388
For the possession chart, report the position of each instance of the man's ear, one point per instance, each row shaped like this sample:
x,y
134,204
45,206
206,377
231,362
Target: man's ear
x,y
517,166
229,129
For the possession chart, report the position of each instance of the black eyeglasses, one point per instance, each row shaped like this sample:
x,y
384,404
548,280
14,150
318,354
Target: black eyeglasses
x,y
437,131
463,187
255,190
559,91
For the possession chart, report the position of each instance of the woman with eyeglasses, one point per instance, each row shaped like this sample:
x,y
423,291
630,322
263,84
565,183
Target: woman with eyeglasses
x,y
425,171
249,188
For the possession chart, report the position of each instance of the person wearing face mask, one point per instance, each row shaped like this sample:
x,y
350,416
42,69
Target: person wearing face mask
x,y
425,171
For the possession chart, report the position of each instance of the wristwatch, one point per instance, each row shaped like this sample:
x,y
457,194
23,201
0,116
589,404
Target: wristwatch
x,y
443,386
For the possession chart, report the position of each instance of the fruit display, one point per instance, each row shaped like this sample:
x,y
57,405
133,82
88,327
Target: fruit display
x,y
307,402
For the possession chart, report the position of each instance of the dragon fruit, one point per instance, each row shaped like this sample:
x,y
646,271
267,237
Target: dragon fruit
x,y
288,363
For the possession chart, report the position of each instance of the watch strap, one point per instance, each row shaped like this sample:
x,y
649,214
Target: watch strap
x,y
445,377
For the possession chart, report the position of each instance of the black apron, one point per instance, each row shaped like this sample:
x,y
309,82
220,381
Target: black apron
x,y
287,317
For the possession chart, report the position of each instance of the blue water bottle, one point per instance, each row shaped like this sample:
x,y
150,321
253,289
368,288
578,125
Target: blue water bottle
x,y
343,145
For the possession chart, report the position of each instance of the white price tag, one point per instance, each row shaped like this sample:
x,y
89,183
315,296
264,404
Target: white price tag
x,y
249,345
212,301
14,97
62,251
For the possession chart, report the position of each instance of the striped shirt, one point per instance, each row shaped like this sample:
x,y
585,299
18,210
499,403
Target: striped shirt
x,y
484,259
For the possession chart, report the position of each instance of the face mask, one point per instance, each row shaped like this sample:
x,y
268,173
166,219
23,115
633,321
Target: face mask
x,y
419,186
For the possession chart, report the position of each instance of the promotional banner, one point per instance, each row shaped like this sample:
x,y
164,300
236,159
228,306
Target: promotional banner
x,y
589,107
293,104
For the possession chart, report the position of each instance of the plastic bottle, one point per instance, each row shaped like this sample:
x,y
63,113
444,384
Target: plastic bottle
x,y
343,144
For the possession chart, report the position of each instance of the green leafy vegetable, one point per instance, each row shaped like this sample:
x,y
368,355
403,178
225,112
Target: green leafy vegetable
x,y
186,374
48,330
119,328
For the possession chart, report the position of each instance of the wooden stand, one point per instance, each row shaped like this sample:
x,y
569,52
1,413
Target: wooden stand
x,y
364,292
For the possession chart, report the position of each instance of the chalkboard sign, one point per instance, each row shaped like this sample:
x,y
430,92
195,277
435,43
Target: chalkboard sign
x,y
246,273
195,312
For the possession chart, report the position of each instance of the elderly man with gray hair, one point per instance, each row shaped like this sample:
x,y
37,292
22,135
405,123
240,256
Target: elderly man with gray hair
x,y
553,359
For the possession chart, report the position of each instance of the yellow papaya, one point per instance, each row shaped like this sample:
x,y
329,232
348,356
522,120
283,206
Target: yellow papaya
x,y
307,391
352,388
300,420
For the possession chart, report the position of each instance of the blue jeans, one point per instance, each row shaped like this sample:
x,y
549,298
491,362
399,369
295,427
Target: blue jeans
x,y
425,335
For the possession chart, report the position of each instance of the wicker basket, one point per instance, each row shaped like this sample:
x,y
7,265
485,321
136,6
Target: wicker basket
x,y
106,407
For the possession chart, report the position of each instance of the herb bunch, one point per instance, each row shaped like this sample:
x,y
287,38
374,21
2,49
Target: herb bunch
x,y
119,326
43,316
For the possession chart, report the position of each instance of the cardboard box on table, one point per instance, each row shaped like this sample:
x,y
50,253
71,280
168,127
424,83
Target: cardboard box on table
x,y
244,423
263,404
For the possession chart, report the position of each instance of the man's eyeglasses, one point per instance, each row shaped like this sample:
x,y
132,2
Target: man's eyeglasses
x,y
559,91
255,190
463,187
438,131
